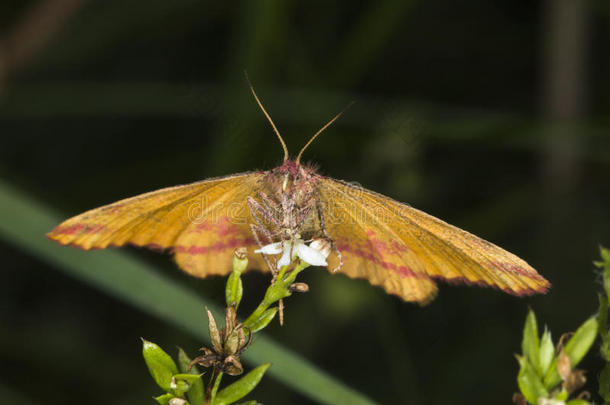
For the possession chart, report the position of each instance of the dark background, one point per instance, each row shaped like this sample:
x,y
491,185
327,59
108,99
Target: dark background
x,y
492,115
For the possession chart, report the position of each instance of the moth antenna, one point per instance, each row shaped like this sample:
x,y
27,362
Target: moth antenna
x,y
298,161
268,118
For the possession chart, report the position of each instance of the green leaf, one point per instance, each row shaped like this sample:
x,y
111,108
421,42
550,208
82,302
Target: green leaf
x,y
234,290
189,378
578,402
160,364
530,343
576,348
241,387
604,383
562,395
546,352
264,320
196,394
164,399
529,382
250,403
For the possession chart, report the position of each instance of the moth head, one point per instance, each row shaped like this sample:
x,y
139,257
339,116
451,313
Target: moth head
x,y
293,177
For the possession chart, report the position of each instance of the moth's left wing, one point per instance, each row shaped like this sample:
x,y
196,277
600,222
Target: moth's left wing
x,y
202,223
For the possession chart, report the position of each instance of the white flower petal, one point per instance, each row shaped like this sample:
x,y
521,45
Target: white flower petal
x,y
310,255
286,259
272,249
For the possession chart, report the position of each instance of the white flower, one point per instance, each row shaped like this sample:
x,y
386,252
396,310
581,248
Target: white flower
x,y
299,248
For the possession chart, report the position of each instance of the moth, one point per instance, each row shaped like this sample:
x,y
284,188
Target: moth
x,y
288,210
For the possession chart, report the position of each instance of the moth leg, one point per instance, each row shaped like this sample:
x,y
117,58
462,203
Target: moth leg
x,y
259,228
288,206
327,235
268,216
302,214
255,232
269,203
254,208
280,308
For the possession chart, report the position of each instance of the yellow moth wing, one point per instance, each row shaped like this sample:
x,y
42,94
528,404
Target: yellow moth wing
x,y
177,217
402,241
362,255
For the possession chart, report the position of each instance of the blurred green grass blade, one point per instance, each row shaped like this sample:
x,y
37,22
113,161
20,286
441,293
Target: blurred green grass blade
x,y
24,222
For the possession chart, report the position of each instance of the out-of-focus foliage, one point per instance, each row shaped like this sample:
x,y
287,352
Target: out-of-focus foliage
x,y
491,115
604,328
548,375
541,370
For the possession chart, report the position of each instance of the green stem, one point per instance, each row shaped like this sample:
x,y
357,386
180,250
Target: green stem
x,y
257,313
216,386
213,386
276,291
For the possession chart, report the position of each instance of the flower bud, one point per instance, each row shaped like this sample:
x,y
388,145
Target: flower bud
x,y
298,287
177,401
240,260
322,245
241,253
